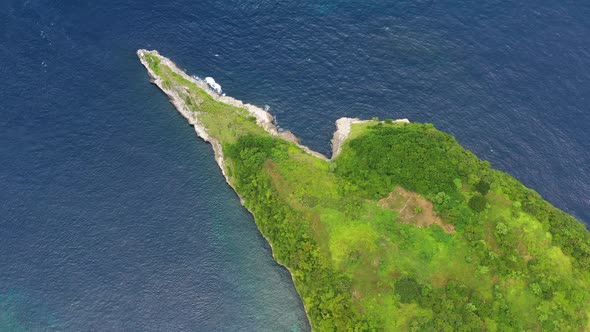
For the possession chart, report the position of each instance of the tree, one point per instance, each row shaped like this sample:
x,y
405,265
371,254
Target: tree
x,y
482,187
477,203
408,290
441,198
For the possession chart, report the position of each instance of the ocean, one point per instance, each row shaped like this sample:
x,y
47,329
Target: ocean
x,y
115,217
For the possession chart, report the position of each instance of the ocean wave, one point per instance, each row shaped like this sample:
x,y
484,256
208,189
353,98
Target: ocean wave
x,y
214,85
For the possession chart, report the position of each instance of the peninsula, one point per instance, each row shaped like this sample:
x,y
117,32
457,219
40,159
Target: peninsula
x,y
401,229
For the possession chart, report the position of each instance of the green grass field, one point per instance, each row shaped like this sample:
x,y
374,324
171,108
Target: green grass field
x,y
405,230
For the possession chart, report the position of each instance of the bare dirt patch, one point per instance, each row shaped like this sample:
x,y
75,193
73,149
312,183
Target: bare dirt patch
x,y
413,209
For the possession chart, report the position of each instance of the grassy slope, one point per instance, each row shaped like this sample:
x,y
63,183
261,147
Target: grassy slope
x,y
511,266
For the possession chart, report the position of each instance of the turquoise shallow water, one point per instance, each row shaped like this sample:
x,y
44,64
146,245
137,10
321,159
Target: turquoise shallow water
x,y
114,217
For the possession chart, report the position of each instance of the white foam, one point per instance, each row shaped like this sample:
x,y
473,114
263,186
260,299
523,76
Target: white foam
x,y
214,85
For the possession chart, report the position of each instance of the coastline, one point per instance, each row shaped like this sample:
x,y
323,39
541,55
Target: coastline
x,y
330,301
343,127
263,118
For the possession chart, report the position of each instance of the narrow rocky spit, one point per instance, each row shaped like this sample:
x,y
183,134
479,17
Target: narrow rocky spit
x,y
263,118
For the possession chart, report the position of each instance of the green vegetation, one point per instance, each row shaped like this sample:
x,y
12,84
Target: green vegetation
x,y
477,203
405,230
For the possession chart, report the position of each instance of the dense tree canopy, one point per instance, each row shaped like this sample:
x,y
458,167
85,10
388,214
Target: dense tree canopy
x,y
495,253
405,230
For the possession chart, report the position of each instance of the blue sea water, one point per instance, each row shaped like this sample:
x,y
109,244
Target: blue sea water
x,y
114,217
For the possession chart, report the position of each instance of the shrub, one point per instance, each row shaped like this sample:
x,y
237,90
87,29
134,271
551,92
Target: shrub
x,y
501,229
408,290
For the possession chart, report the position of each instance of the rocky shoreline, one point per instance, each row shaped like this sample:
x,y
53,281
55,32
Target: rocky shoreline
x,y
263,118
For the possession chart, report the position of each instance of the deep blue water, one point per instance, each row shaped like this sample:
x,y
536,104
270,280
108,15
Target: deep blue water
x,y
113,216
